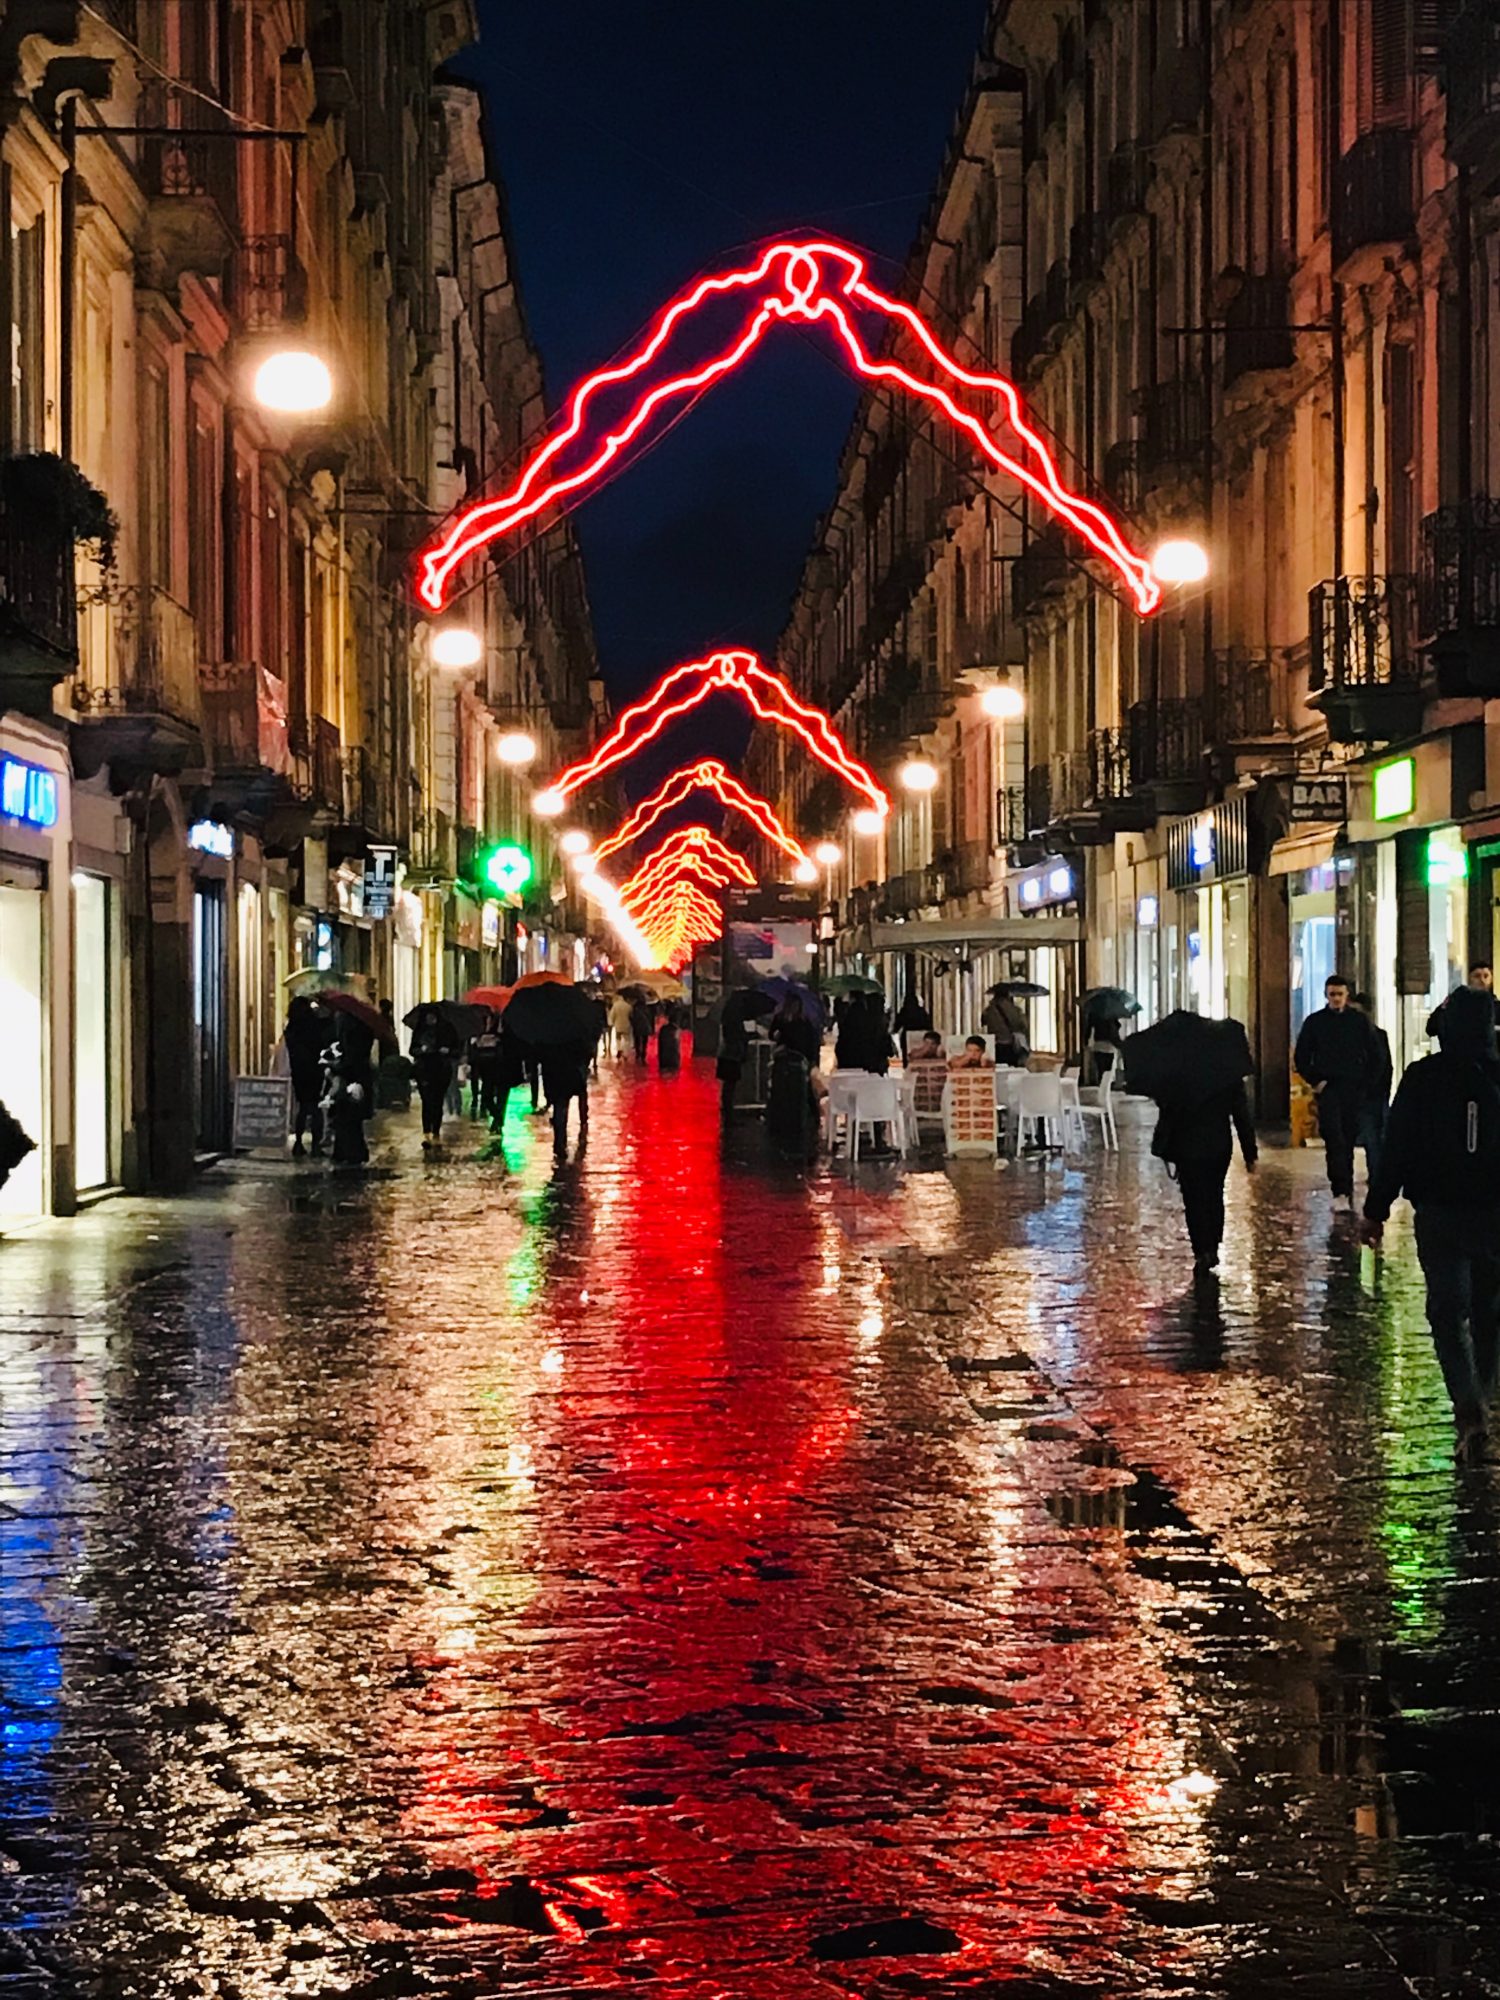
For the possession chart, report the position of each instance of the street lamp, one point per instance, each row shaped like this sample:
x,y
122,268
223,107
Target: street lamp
x,y
455,646
516,748
547,804
575,841
1179,561
867,820
293,382
828,853
918,774
804,872
1003,702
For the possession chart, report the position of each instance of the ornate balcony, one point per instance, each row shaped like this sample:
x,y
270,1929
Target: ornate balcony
x,y
137,700
1460,596
1123,807
1167,752
191,180
1366,674
245,736
267,284
1373,194
1241,704
38,608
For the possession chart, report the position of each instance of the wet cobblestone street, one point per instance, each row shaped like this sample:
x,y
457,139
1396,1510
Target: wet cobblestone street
x,y
667,1574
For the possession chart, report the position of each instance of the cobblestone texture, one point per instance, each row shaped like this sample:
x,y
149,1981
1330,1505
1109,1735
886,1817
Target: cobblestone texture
x,y
671,1575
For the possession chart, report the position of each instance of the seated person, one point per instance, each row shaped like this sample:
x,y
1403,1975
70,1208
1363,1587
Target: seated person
x,y
928,1050
973,1055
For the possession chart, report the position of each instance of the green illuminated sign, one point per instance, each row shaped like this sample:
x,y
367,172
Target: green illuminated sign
x,y
1396,788
507,868
1447,859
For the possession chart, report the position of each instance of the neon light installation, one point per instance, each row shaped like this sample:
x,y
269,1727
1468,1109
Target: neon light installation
x,y
790,283
767,696
707,775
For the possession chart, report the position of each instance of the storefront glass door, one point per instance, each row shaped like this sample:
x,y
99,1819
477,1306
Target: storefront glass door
x,y
211,1016
92,1165
23,1065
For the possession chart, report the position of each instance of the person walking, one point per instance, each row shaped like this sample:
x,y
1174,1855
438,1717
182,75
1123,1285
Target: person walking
x,y
1003,1019
435,1049
913,1017
487,1070
642,1027
1481,980
1370,1135
619,1026
1442,1151
565,1072
308,1031
1336,1055
1196,1140
669,1040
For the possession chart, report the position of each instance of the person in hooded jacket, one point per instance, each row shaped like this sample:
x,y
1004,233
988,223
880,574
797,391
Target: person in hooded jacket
x,y
1442,1151
435,1049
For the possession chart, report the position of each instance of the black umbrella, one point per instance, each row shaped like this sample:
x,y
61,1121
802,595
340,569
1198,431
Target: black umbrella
x,y
549,1017
1110,1003
465,1021
1020,989
1186,1058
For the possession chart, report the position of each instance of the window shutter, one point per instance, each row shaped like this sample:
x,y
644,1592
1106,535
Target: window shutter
x,y
1390,57
1413,935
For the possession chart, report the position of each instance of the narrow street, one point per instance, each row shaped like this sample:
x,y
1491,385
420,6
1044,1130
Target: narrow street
x,y
673,1574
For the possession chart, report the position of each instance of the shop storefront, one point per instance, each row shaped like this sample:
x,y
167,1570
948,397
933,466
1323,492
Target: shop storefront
x,y
36,934
1207,926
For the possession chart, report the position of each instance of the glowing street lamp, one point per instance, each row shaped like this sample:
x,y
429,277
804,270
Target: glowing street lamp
x,y
455,646
1179,561
805,871
516,748
293,383
918,774
867,821
1003,702
828,854
547,804
575,841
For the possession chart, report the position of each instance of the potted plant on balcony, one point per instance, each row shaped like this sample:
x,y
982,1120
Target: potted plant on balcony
x,y
53,500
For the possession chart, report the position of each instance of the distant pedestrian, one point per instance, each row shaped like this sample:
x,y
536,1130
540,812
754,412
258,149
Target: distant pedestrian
x,y
435,1049
1336,1053
1442,1150
669,1041
1370,1136
1197,1141
642,1027
486,1055
565,1072
346,1095
619,1025
308,1031
913,1016
864,1040
1003,1019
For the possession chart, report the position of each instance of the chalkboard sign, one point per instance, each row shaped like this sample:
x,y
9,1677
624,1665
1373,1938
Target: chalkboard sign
x,y
262,1111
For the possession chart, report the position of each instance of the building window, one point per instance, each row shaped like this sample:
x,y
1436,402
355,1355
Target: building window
x,y
28,346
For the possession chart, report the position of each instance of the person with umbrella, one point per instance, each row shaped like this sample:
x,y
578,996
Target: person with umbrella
x,y
559,1023
913,1016
620,1012
642,1025
435,1048
1195,1069
308,1031
1104,1011
349,1071
1442,1151
1003,1019
744,1005
487,1069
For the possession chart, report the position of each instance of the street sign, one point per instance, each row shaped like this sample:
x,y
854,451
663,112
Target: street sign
x,y
1319,801
262,1111
380,881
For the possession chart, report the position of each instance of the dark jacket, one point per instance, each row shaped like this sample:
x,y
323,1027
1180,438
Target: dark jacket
x,y
1382,1069
1442,1139
801,1036
864,1042
1336,1047
1202,1131
1435,1018
435,1046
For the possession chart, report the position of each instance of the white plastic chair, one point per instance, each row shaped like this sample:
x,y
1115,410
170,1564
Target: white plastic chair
x,y
906,1082
839,1104
1041,1117
865,1101
1007,1102
1097,1103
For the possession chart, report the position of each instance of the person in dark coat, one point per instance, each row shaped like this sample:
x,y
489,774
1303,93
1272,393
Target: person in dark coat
x,y
1336,1053
1371,1133
348,1088
864,1041
669,1040
1003,1019
487,1070
308,1031
1442,1151
1481,980
565,1072
1196,1139
435,1049
642,1027
913,1016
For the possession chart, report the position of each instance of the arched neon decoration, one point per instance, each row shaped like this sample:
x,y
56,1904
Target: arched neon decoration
x,y
691,850
767,696
790,283
707,775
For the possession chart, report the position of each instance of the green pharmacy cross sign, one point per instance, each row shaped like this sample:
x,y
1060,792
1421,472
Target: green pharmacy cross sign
x,y
507,868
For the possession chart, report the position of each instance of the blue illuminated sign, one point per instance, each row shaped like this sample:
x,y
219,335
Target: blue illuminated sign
x,y
28,793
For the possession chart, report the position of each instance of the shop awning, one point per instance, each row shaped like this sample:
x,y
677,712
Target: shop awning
x,y
988,933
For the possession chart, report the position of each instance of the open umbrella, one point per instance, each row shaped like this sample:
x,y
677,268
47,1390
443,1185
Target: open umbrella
x,y
530,979
850,982
779,986
1186,1058
547,1017
493,997
310,979
657,986
465,1020
1020,989
1110,1003
361,1010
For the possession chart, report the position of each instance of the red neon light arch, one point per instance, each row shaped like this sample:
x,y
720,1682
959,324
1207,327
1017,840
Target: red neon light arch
x,y
789,283
706,775
691,850
767,696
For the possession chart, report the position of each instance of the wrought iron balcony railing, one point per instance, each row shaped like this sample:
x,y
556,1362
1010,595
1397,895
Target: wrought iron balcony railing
x,y
38,593
1471,78
1258,327
1165,740
1363,633
1374,192
244,719
138,656
1241,706
1460,577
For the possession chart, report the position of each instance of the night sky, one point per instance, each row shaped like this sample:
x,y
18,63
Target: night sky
x,y
642,142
